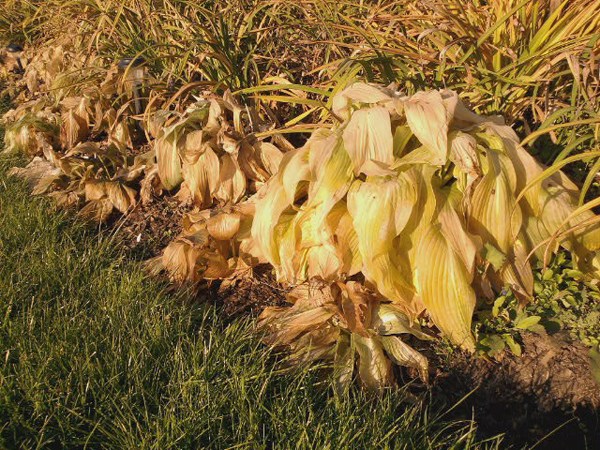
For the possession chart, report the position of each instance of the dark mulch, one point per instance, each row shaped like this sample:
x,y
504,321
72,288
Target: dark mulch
x,y
250,295
149,228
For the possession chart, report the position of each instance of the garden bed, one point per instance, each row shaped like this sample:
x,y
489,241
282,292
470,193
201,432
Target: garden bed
x,y
422,215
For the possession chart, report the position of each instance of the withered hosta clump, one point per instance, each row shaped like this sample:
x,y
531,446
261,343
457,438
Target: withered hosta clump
x,y
89,147
207,151
401,215
74,119
412,207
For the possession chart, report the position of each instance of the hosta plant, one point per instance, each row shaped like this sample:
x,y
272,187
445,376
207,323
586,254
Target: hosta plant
x,y
213,245
31,129
350,325
58,123
424,203
86,131
210,151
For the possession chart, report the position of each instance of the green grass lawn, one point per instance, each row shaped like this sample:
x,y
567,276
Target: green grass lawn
x,y
94,354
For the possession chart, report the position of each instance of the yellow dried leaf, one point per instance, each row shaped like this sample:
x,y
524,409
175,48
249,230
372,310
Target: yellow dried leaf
x,y
270,157
73,129
194,147
494,214
463,153
232,182
346,240
179,259
332,181
39,174
122,197
279,197
444,285
404,355
95,190
368,137
120,135
389,320
97,210
167,158
517,272
380,209
249,160
343,363
453,229
374,368
357,304
202,176
428,119
223,226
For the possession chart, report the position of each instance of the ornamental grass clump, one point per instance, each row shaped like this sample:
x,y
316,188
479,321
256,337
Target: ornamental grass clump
x,y
409,210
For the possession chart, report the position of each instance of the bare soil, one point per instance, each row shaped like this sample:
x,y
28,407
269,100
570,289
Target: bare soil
x,y
250,295
548,395
148,228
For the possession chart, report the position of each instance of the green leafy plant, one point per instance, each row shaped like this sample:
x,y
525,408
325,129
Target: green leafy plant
x,y
568,300
565,300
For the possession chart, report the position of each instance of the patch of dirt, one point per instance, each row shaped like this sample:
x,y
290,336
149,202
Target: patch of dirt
x,y
548,392
250,295
148,229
